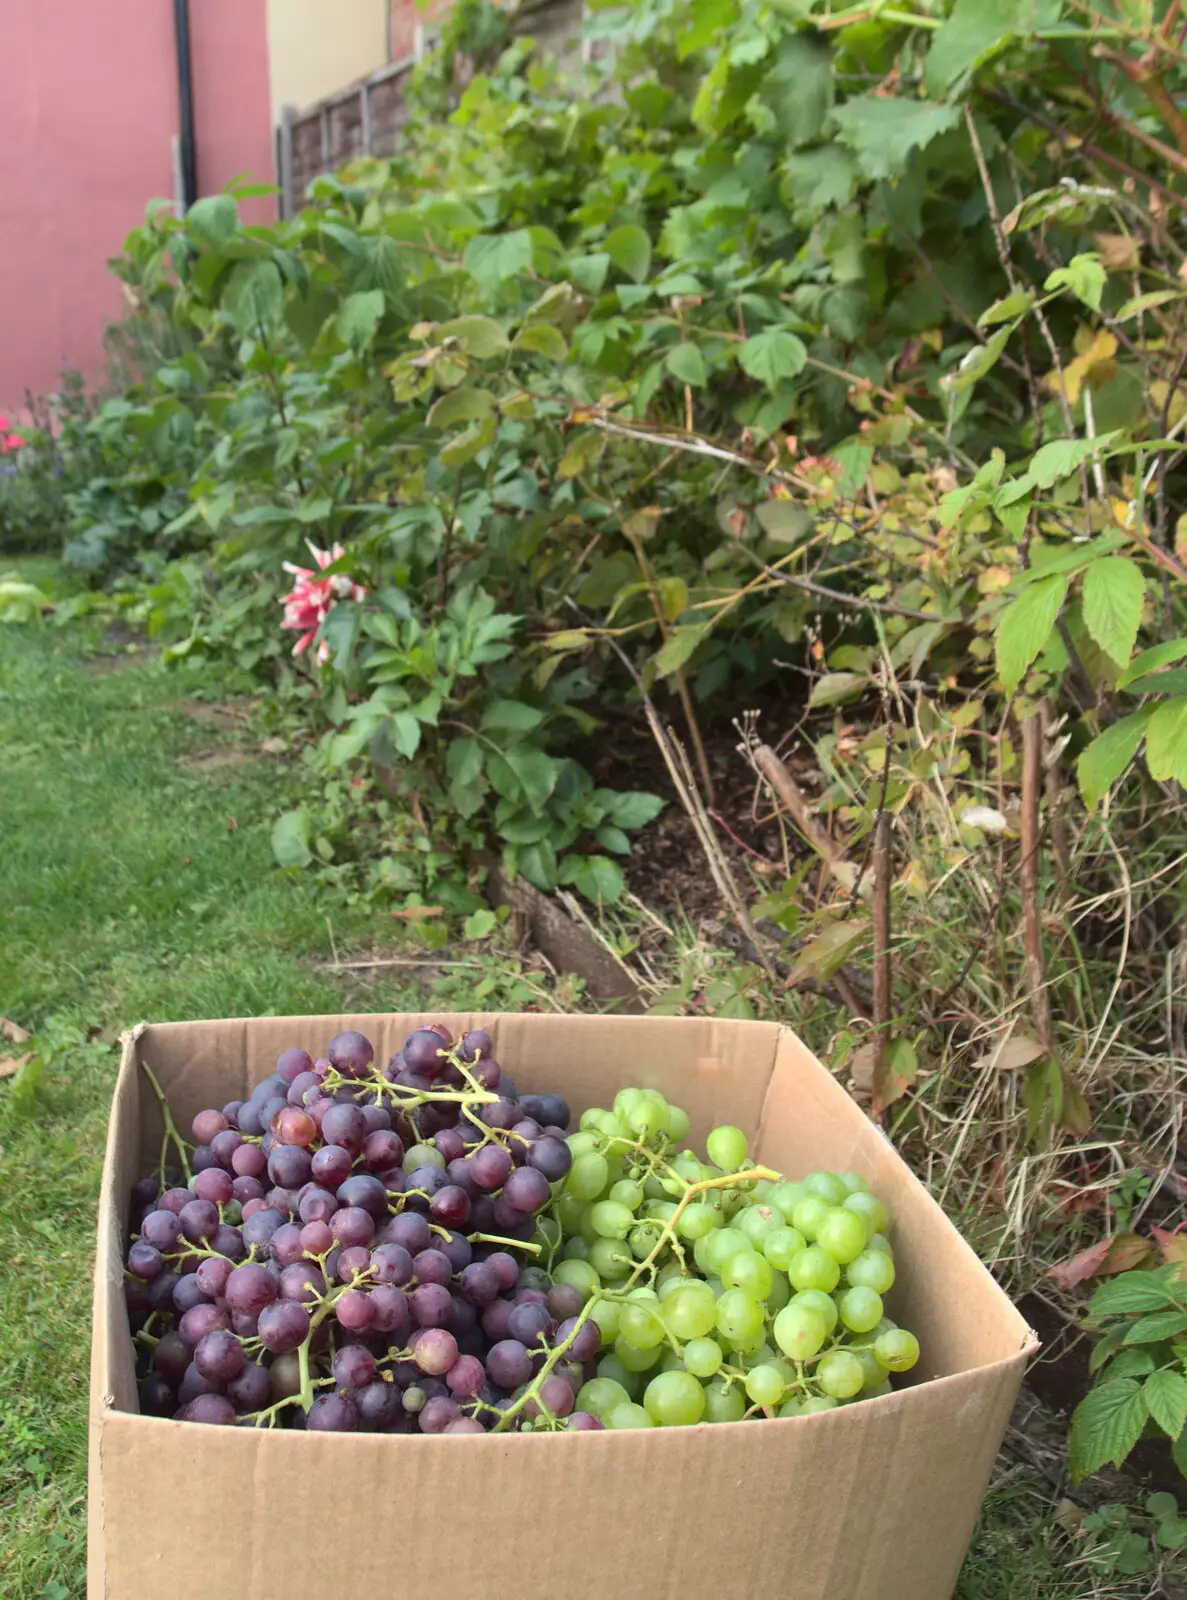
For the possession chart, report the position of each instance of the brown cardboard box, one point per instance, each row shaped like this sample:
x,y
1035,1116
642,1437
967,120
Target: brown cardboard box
x,y
874,1501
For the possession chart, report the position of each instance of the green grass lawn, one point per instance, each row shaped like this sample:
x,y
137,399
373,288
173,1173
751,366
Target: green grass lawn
x,y
134,886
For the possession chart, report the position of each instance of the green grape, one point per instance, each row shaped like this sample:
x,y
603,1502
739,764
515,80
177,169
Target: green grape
x,y
607,1315
779,1293
575,1249
641,1241
877,1390
673,1187
750,1271
644,1295
691,1312
807,1214
756,1221
568,1209
703,1357
666,1287
816,1403
627,1193
817,1300
839,1374
676,1123
670,1361
610,1220
640,1326
611,1260
634,1359
674,1399
687,1165
609,1366
827,1185
589,1119
740,1317
579,1275
872,1375
719,1246
765,1384
547,1234
648,1116
626,1100
659,1210
786,1196
582,1142
422,1155
871,1210
885,1326
600,1396
854,1182
610,1125
843,1234
760,1193
789,1408
628,1416
724,1403
872,1269
726,1147
897,1351
652,1187
879,1242
800,1332
861,1310
588,1176
782,1245
697,1220
813,1268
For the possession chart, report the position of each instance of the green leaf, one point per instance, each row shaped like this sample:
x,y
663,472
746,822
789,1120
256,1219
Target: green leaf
x,y
480,924
981,359
536,772
582,450
597,877
1158,655
1061,457
460,405
537,863
1106,1346
772,355
1165,1398
829,951
1147,302
1166,741
673,597
542,339
976,31
589,272
1008,309
883,130
463,760
1106,1425
629,247
466,445
359,317
677,648
291,835
1103,761
404,732
799,87
477,337
684,361
705,20
835,687
1157,1326
817,179
1114,590
1131,1291
1084,276
785,521
511,716
611,838
1025,626
213,219
634,809
492,258
254,296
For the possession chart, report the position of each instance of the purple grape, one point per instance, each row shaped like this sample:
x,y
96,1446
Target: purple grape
x,y
431,1305
201,1320
378,1404
527,1191
382,1149
219,1356
460,1173
332,1413
283,1326
316,1238
457,1248
251,1390
389,1308
223,1147
509,1364
351,1054
199,1220
285,1245
250,1123
303,1084
474,1044
450,1206
365,1190
344,1125
438,1413
316,1204
212,1275
211,1408
284,1201
160,1292
391,1263
331,1165
410,1230
502,1114
251,1288
207,1124
556,1396
583,1422
529,1324
144,1260
245,1325
289,1166
145,1192
434,1350
466,1377
351,1225
269,1108
422,1052
550,1157
302,1281
228,1242
479,1283
529,1295
171,1357
353,1367
496,1319
432,1266
174,1199
258,1229
187,1293
505,1267
245,1189
563,1301
249,1161
193,1384
487,1074
291,1063
347,1264
354,1310
377,1118
588,1341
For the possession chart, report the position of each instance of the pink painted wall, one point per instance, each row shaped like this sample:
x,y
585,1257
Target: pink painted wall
x,y
88,110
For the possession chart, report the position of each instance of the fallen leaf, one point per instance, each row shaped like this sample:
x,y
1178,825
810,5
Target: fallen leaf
x,y
11,1065
273,747
1015,1050
232,825
12,1031
1085,1264
1172,1247
985,819
1119,252
415,913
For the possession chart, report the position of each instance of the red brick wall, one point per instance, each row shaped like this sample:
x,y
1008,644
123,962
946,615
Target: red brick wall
x,y
404,16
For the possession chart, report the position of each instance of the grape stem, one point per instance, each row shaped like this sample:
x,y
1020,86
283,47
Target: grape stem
x,y
170,1132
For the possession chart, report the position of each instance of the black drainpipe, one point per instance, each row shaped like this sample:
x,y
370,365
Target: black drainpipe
x,y
185,92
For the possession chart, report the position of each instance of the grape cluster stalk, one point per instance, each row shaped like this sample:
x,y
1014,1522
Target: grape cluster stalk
x,y
418,1247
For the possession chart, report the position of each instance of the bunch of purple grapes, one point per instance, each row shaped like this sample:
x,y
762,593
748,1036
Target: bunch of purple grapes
x,y
346,1239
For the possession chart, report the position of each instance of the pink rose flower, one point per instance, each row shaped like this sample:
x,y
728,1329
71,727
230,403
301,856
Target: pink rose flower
x,y
312,599
8,440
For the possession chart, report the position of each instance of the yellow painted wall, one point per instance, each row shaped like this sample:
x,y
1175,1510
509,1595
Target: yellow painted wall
x,y
316,47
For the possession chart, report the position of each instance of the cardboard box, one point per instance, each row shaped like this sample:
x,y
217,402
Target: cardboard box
x,y
874,1501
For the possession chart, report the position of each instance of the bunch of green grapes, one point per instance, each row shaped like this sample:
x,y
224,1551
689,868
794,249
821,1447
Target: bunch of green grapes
x,y
720,1289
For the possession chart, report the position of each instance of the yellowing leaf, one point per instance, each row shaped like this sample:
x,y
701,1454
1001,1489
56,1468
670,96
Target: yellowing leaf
x,y
1093,365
